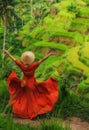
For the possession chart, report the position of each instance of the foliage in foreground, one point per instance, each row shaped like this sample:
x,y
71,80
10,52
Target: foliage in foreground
x,y
8,124
74,106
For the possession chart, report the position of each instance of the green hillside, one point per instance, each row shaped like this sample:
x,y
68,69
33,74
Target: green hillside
x,y
65,29
43,26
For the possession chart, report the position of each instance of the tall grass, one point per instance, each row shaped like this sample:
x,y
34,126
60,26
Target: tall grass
x,y
7,123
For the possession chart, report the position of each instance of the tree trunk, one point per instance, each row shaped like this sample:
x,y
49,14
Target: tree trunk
x,y
4,35
31,2
5,27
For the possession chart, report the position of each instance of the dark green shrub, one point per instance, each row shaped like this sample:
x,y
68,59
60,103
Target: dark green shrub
x,y
72,7
3,88
74,106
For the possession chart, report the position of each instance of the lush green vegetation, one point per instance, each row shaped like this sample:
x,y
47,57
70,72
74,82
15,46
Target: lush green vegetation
x,y
42,26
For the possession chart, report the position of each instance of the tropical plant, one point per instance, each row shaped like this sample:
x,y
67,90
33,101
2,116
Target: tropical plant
x,y
6,13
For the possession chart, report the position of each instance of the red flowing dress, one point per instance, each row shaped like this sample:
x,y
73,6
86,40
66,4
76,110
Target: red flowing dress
x,y
36,97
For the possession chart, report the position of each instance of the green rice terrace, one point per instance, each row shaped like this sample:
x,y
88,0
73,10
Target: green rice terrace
x,y
61,26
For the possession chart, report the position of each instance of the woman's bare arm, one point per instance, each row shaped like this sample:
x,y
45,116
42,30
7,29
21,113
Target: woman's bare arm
x,y
6,52
49,54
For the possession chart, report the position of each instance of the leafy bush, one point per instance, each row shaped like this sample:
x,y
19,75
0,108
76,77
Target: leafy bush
x,y
3,89
87,2
83,88
74,106
72,7
84,12
4,96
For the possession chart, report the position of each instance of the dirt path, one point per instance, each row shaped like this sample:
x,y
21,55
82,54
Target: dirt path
x,y
74,123
77,124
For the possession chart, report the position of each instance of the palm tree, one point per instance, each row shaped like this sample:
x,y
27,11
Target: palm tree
x,y
7,13
6,9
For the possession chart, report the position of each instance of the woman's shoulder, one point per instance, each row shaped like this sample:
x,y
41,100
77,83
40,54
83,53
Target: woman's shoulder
x,y
35,64
19,63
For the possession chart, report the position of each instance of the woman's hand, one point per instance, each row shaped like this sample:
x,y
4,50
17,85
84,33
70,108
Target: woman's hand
x,y
23,83
5,51
49,54
52,53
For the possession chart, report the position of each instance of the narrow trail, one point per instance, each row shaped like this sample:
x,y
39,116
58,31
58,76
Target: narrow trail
x,y
77,124
73,123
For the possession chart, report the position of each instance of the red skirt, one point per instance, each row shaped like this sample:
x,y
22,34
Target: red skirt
x,y
35,99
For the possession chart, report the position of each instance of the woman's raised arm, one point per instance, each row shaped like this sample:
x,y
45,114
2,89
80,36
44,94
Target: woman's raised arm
x,y
6,52
49,54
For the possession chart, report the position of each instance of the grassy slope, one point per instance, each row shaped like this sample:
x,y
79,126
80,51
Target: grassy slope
x,y
70,25
67,25
85,51
73,58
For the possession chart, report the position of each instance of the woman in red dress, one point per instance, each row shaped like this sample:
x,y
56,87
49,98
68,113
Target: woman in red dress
x,y
29,98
